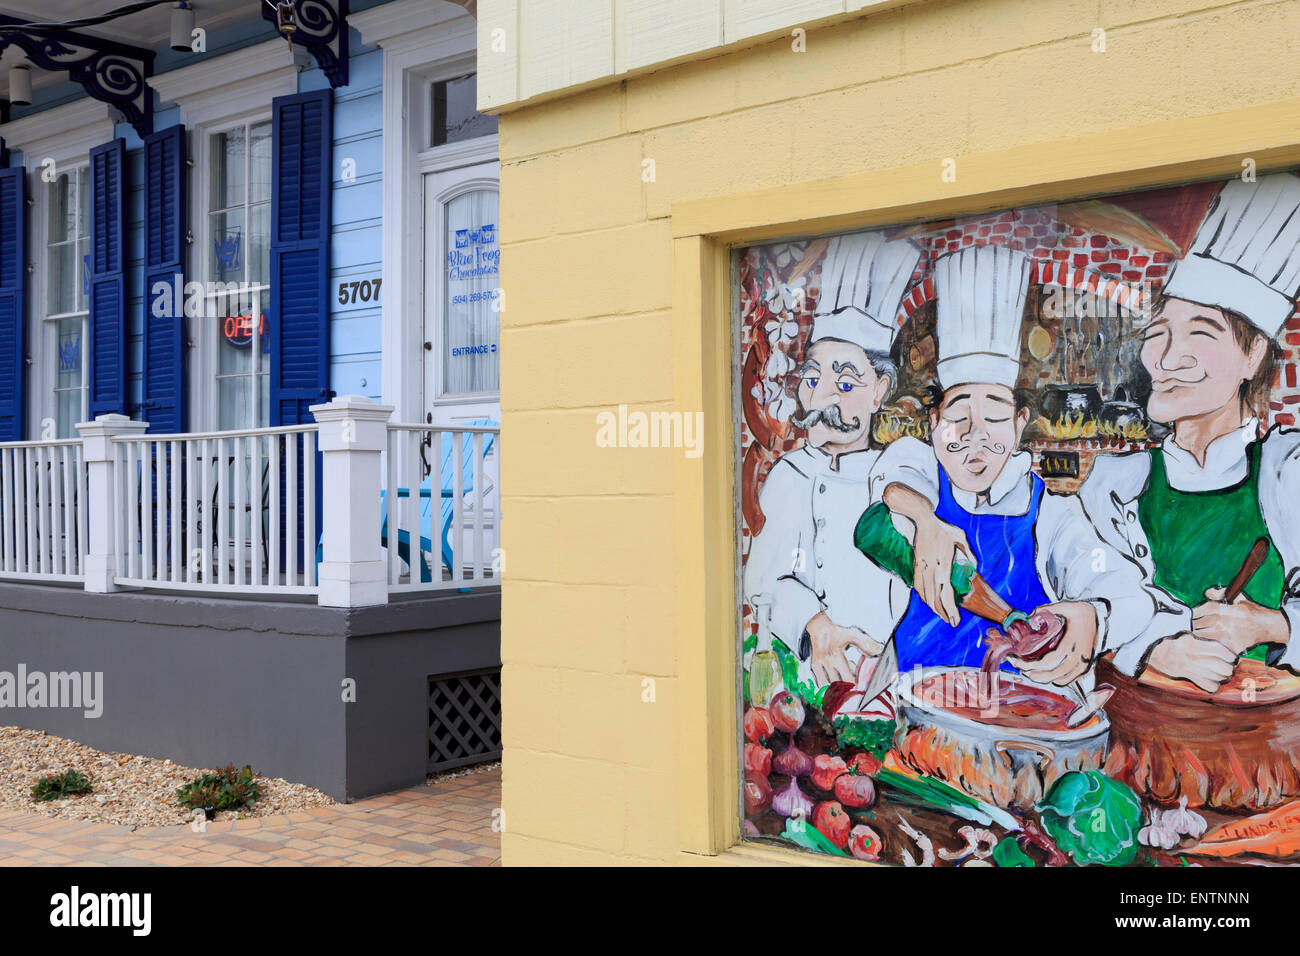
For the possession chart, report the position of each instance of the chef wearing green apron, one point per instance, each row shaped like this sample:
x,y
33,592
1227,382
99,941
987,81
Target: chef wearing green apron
x,y
1189,511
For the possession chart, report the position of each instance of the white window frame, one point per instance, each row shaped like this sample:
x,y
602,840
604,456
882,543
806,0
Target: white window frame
x,y
42,379
204,331
56,138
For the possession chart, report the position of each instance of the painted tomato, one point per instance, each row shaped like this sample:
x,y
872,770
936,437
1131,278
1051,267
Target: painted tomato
x,y
758,759
826,768
758,794
829,817
787,712
855,790
758,725
865,843
865,763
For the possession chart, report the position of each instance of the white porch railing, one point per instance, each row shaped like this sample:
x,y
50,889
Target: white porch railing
x,y
227,511
351,508
42,510
441,520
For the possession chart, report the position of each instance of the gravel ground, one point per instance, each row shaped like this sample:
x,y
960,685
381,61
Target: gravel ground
x,y
127,790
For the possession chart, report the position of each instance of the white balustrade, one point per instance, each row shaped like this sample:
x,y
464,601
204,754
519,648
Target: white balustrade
x,y
43,511
233,511
442,522
351,508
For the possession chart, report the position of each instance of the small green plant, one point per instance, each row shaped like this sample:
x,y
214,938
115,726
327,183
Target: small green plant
x,y
55,786
224,789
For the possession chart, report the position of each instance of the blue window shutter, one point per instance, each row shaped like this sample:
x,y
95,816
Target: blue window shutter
x,y
107,279
164,380
301,136
13,301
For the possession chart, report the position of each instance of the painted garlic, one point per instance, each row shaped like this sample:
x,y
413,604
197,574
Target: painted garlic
x,y
1157,834
1185,822
1167,827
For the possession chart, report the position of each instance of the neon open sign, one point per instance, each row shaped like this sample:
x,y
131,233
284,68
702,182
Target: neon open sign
x,y
238,329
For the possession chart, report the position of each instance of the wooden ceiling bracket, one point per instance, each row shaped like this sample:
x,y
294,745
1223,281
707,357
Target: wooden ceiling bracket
x,y
111,72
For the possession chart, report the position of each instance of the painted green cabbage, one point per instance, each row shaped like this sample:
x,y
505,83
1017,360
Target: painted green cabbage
x,y
1093,818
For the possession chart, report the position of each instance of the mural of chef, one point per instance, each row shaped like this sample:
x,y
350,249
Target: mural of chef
x,y
1190,511
970,492
827,603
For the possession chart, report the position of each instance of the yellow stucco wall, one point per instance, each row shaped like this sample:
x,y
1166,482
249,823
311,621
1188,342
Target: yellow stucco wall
x,y
591,769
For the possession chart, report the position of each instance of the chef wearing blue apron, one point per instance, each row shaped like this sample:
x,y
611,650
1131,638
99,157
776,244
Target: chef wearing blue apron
x,y
972,489
1000,544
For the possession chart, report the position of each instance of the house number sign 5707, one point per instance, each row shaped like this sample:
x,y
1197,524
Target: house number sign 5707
x,y
359,291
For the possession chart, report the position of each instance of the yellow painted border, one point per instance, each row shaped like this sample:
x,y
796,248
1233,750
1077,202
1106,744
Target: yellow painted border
x,y
704,231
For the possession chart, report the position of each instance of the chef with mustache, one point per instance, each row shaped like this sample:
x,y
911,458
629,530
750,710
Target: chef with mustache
x,y
827,603
1189,511
971,491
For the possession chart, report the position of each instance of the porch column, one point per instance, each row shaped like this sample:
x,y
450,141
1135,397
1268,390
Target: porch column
x,y
353,435
101,508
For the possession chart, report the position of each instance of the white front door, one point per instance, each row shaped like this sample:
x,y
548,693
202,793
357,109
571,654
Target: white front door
x,y
462,329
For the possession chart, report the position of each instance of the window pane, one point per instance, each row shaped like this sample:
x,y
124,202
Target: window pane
x,y
236,330
68,354
259,186
259,243
62,211
64,279
68,372
231,356
67,412
83,198
83,282
455,116
233,395
471,326
226,246
227,181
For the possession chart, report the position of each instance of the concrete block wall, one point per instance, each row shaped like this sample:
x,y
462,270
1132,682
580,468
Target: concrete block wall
x,y
590,763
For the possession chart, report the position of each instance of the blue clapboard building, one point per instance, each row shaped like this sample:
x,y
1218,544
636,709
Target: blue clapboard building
x,y
255,165
215,216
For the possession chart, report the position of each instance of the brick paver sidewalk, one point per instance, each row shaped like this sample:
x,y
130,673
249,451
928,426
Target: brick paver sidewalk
x,y
448,824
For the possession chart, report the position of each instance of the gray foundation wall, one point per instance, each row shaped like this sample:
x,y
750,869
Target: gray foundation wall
x,y
209,681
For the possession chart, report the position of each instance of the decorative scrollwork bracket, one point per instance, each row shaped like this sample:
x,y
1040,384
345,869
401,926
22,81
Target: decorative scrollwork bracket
x,y
321,26
111,72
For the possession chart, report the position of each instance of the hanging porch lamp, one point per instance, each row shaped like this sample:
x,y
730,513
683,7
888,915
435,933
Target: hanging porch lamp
x,y
182,31
20,85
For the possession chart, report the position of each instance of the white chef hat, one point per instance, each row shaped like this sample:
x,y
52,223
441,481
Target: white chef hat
x,y
863,280
980,293
1246,254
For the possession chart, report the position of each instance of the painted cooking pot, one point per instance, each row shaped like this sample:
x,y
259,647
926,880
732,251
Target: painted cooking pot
x,y
1059,402
1123,415
1235,749
1010,757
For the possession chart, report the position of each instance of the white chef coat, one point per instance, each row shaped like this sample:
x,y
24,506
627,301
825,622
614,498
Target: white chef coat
x,y
804,561
1072,560
1110,498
